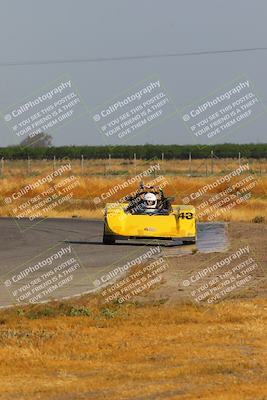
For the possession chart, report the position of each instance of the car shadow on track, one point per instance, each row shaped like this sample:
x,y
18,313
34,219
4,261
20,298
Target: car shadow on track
x,y
127,243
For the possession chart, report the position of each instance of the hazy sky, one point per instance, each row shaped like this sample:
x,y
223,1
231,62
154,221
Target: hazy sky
x,y
43,31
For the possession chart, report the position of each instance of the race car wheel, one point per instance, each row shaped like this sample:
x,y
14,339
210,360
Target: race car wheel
x,y
109,239
189,242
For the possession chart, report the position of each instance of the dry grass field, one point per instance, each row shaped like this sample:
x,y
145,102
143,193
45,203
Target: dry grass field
x,y
81,350
96,178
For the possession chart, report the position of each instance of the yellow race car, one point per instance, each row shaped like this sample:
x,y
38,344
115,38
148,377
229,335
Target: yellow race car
x,y
148,214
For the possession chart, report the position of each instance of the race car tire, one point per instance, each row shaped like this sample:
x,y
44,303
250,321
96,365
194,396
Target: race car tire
x,y
189,241
109,239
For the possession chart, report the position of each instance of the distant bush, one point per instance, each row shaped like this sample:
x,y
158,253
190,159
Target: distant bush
x,y
54,310
109,313
80,312
258,219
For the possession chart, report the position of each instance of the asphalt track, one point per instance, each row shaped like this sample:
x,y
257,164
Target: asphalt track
x,y
30,243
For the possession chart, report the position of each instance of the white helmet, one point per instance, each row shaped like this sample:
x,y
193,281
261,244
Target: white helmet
x,y
150,200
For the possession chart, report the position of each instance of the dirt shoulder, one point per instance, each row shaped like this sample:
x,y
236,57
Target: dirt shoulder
x,y
187,268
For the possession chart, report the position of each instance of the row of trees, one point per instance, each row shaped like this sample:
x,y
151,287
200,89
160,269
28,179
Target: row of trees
x,y
147,151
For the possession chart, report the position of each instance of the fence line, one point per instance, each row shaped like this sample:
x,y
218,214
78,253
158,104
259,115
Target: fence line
x,y
110,167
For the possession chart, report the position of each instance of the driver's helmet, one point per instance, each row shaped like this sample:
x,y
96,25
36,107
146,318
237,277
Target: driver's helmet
x,y
150,200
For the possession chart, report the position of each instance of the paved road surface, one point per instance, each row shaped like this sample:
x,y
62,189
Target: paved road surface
x,y
57,258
